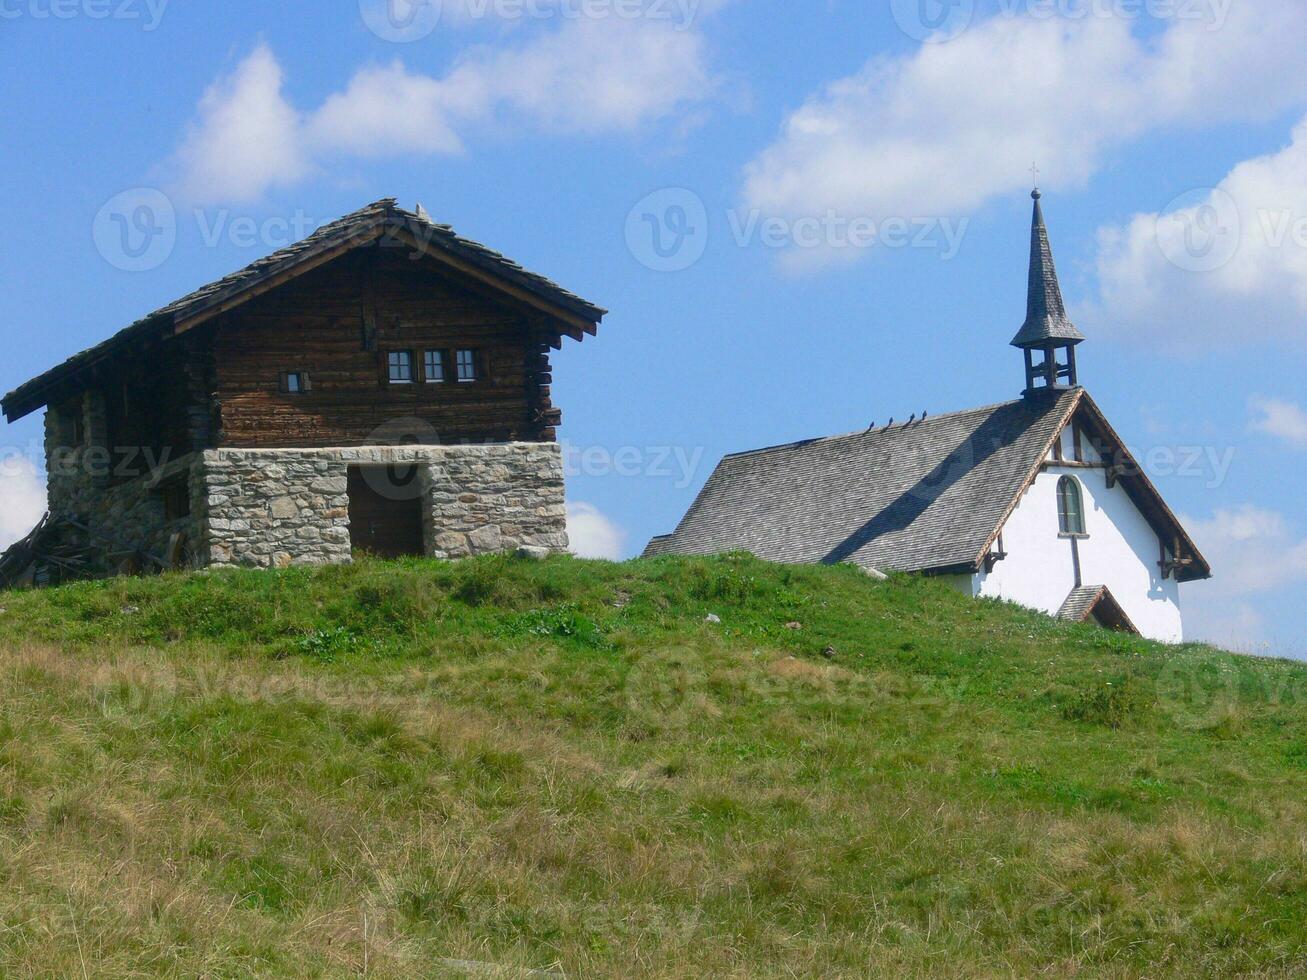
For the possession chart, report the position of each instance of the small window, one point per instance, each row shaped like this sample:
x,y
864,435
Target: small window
x,y
176,497
433,366
294,382
1070,506
466,361
400,365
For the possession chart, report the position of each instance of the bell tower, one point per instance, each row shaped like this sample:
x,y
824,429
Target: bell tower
x,y
1048,338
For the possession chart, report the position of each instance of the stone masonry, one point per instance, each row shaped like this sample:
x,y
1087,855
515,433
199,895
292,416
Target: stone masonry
x,y
279,507
117,497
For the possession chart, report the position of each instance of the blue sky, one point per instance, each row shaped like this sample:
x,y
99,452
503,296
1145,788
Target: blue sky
x,y
839,195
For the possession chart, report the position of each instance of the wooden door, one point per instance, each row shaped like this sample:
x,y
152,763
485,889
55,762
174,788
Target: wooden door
x,y
385,511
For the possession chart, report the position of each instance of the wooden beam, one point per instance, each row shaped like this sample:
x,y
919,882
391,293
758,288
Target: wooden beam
x,y
296,269
1138,486
367,275
1114,472
576,326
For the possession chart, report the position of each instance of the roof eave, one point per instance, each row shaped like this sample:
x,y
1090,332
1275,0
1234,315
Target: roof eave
x,y
1038,334
556,295
1201,568
961,568
1033,473
576,317
562,306
33,394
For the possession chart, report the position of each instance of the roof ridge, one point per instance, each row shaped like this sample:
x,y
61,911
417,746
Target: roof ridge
x,y
276,255
384,212
943,417
925,499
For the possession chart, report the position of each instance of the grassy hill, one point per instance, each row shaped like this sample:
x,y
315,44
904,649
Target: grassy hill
x,y
566,766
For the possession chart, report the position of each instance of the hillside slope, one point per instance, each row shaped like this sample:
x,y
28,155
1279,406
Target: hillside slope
x,y
565,765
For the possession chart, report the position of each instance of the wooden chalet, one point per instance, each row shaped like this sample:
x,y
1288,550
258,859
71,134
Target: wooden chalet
x,y
382,328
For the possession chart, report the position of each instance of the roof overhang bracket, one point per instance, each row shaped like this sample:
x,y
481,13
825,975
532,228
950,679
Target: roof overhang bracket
x,y
1115,471
995,555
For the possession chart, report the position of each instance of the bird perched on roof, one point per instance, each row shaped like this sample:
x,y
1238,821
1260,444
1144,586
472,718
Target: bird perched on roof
x,y
913,418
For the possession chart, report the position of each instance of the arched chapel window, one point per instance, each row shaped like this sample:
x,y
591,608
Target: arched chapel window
x,y
1070,506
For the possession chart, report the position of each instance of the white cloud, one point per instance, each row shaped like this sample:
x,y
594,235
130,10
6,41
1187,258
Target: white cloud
x,y
1254,552
588,75
592,534
591,76
947,128
509,13
1227,265
387,110
247,136
1281,419
597,75
22,498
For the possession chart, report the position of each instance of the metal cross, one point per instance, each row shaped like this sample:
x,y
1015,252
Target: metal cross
x,y
1034,170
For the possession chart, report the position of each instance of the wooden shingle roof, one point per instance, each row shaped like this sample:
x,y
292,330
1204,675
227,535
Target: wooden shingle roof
x,y
923,496
1080,603
1096,601
928,496
380,220
1046,318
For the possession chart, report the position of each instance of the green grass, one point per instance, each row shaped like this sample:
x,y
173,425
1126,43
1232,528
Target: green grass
x,y
562,765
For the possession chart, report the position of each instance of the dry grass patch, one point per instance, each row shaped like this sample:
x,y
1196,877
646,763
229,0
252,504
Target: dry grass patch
x,y
381,769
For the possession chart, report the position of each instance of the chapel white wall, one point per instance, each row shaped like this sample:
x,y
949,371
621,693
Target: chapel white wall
x,y
1120,552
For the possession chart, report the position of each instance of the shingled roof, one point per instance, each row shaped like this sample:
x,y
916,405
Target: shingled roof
x,y
927,496
377,220
1046,318
922,496
1096,601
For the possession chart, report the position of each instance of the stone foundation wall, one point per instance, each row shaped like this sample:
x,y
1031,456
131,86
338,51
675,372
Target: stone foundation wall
x,y
119,500
77,474
279,507
271,509
488,499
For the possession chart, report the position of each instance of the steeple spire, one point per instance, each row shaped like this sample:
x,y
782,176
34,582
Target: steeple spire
x,y
1046,328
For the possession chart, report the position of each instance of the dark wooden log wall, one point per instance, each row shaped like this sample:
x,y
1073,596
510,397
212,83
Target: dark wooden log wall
x,y
148,402
338,322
